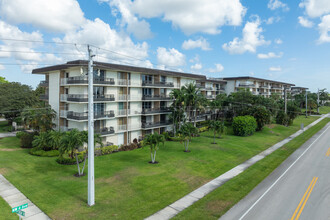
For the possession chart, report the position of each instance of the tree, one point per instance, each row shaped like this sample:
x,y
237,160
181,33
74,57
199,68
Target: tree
x,y
3,80
186,132
14,98
39,119
153,141
41,141
55,138
218,127
262,116
177,108
191,96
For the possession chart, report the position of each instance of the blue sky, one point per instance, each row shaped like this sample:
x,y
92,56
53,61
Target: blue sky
x,y
273,39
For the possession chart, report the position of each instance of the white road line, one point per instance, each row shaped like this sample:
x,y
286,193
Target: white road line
x,y
281,176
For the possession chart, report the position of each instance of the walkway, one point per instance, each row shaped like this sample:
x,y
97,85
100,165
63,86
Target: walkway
x,y
15,198
183,203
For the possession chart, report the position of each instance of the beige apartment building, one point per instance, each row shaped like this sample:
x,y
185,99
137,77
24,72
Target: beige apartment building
x,y
129,102
298,90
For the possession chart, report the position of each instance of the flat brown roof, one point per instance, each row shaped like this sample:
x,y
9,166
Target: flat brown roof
x,y
255,78
117,67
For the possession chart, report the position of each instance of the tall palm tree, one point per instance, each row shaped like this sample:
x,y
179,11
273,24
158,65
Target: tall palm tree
x,y
153,141
177,107
192,96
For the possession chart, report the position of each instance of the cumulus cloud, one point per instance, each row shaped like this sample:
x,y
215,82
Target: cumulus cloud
x,y
305,22
278,41
2,67
190,16
269,55
324,28
192,44
218,68
315,8
55,16
197,66
276,4
170,57
275,69
252,38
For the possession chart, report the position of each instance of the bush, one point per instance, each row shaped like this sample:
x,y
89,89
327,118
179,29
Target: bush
x,y
19,134
69,161
42,153
26,139
262,116
282,118
166,135
244,125
109,149
129,147
176,138
203,129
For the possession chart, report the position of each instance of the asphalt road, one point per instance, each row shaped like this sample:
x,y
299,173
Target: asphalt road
x,y
298,189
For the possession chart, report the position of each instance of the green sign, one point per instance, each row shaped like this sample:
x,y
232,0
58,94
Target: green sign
x,y
20,212
19,208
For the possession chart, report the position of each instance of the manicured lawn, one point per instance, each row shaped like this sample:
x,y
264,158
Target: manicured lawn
x,y
3,126
324,109
5,211
222,199
127,186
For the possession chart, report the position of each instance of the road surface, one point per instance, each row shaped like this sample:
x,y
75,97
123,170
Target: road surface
x,y
298,189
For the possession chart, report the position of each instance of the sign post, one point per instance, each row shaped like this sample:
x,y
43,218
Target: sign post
x,y
18,210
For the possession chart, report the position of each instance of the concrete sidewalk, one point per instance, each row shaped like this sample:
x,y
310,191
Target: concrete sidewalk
x,y
183,203
8,134
15,198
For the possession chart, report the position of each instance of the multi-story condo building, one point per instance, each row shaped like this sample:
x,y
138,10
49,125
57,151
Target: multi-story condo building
x,y
129,102
298,90
257,86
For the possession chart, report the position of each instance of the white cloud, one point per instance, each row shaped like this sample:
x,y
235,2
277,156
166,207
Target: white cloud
x,y
2,67
269,55
192,44
315,8
276,4
252,38
324,28
57,16
305,22
272,20
275,69
278,41
218,68
140,28
170,57
190,16
197,66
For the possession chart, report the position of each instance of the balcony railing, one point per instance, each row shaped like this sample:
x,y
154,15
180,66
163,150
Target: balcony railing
x,y
155,110
156,97
84,80
264,86
44,97
211,96
44,83
246,85
276,87
200,86
209,88
84,98
104,131
155,124
84,115
160,84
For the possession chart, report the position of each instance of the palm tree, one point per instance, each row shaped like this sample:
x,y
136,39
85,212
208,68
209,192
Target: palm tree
x,y
39,119
218,127
186,132
153,141
41,141
177,107
192,96
55,138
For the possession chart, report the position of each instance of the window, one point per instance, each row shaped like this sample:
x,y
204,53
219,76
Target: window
x,y
146,78
98,108
147,91
162,91
97,90
163,79
146,105
99,74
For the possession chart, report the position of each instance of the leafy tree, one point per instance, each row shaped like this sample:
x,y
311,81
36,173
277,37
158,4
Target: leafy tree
x,y
14,98
186,133
218,127
282,118
262,116
293,111
3,80
153,141
244,125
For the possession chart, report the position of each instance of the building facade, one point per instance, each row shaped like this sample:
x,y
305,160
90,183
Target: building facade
x,y
298,90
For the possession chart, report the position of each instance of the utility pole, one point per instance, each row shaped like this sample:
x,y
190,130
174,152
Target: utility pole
x,y
91,183
306,103
318,99
285,101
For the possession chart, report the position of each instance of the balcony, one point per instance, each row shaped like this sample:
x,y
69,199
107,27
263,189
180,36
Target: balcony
x,y
264,86
200,86
84,115
44,97
209,88
44,83
84,80
158,84
211,96
104,131
277,87
246,85
84,98
155,110
155,124
156,97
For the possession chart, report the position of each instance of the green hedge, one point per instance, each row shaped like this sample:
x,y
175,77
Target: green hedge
x,y
26,139
109,149
42,153
244,125
202,129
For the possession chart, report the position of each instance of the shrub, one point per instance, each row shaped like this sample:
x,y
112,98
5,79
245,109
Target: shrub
x,y
282,118
262,116
19,134
203,129
26,139
69,161
244,125
109,149
167,135
42,153
176,138
128,147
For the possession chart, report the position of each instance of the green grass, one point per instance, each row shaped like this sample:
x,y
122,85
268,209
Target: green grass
x,y
324,109
3,126
222,199
127,186
5,211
